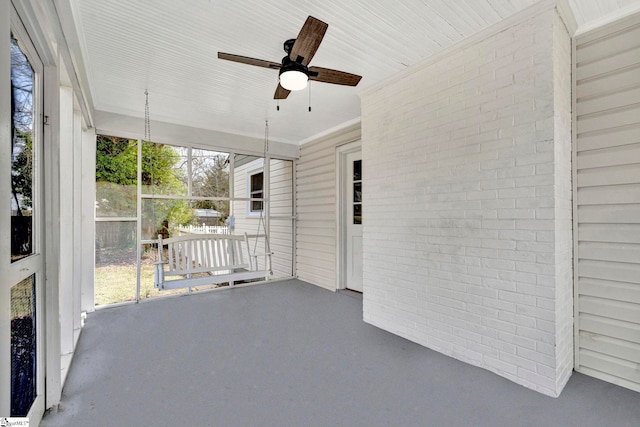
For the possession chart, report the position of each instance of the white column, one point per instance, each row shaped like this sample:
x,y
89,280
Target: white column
x,y
52,233
88,218
5,191
77,224
67,248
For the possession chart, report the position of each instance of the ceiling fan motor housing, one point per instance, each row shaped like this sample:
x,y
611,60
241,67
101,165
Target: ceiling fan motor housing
x,y
288,45
289,65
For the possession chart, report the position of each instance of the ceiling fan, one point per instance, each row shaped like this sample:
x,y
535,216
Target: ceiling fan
x,y
294,69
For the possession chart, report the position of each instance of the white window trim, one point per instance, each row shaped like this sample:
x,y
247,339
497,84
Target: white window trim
x,y
250,173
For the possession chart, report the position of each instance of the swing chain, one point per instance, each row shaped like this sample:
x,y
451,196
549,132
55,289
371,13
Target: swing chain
x,y
147,120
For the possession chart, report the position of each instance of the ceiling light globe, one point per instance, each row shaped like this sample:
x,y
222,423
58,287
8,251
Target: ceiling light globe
x,y
293,80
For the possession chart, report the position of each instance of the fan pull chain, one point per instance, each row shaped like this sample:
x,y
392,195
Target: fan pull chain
x,y
278,105
309,96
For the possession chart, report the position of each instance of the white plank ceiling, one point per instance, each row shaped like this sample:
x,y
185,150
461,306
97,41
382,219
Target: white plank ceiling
x,y
170,48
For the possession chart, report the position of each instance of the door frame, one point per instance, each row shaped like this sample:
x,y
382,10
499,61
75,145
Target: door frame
x,y
341,219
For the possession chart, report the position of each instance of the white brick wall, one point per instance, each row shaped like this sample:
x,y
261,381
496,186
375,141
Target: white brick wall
x,y
563,204
467,233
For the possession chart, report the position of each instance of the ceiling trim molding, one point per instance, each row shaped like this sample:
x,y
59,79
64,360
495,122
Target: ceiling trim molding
x,y
335,129
568,16
81,89
523,15
621,17
33,19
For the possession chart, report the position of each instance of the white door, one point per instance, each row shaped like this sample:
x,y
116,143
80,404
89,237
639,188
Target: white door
x,y
353,221
21,253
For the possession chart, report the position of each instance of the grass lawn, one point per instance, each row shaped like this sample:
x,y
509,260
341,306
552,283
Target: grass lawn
x,y
117,283
22,299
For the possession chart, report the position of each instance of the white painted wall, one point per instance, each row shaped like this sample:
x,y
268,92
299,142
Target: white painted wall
x,y
467,237
316,207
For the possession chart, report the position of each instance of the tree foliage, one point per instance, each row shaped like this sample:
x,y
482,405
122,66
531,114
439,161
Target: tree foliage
x,y
211,179
116,182
164,172
22,171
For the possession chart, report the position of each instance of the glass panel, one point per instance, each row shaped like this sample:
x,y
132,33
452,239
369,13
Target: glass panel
x,y
116,177
164,169
116,260
357,170
173,217
244,168
23,347
357,192
164,216
357,214
22,82
210,173
256,187
209,217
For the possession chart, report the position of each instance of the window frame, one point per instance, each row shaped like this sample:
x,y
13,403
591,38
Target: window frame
x,y
254,213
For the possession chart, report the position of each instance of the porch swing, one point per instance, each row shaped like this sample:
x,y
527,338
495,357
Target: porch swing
x,y
208,259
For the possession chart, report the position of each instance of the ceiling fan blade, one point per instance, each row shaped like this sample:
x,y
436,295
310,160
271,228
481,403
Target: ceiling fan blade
x,y
308,40
281,93
249,61
328,75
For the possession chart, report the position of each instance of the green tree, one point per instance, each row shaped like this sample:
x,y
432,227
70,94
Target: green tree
x,y
116,176
116,182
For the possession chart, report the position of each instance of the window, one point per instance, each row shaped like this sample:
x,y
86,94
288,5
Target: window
x,y
256,186
22,159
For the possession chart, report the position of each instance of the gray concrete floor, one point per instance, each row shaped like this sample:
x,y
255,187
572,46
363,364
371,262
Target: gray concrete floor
x,y
292,354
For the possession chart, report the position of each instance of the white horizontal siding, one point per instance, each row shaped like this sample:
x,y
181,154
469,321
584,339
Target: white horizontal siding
x,y
281,206
608,204
280,212
316,208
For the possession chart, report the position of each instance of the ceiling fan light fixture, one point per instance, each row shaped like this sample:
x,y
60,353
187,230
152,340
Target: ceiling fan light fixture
x,y
293,80
295,72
